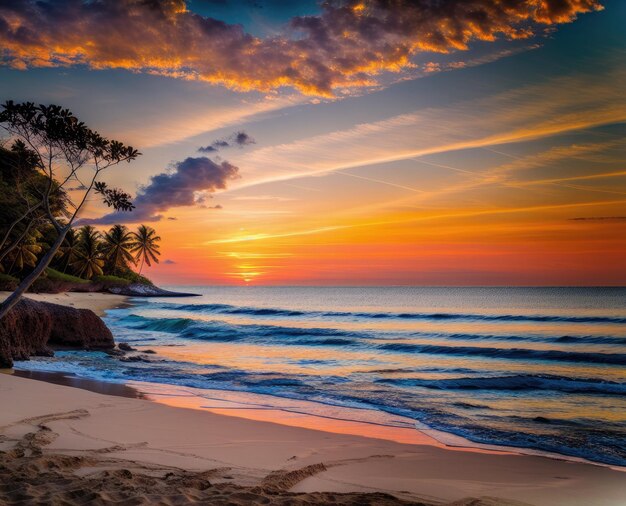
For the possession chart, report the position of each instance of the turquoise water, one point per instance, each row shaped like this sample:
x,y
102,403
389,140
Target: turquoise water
x,y
541,368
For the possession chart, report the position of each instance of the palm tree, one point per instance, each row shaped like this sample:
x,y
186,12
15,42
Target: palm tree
x,y
70,249
25,253
116,248
90,261
145,246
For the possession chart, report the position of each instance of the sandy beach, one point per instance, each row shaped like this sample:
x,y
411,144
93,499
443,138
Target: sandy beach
x,y
82,446
96,301
78,445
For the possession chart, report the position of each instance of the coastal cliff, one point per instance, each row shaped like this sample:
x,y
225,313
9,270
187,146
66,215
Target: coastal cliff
x,y
35,328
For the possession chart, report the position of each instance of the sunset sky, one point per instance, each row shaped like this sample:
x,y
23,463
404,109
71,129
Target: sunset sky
x,y
475,142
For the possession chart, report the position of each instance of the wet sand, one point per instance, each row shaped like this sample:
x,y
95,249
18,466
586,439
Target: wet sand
x,y
80,446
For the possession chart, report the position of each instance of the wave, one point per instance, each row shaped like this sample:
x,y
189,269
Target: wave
x,y
188,328
265,311
514,383
509,353
584,339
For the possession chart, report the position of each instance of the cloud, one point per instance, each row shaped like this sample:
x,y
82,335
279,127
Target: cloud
x,y
600,218
346,45
168,262
191,182
556,106
239,139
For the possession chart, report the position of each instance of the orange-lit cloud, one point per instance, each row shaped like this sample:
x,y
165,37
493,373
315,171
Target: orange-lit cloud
x,y
345,46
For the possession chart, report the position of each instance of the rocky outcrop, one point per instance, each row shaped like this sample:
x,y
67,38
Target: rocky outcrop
x,y
141,290
36,328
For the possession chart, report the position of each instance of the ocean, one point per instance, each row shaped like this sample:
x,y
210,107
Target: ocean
x,y
536,368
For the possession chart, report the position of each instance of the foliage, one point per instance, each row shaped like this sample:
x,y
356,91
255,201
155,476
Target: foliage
x,y
69,250
145,246
25,253
8,283
109,281
133,277
51,141
116,247
35,209
55,275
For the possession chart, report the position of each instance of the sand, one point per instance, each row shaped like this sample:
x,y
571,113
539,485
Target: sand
x,y
97,302
83,447
69,445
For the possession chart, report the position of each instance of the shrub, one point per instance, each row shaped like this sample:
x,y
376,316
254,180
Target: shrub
x,y
45,285
55,275
110,281
133,277
8,283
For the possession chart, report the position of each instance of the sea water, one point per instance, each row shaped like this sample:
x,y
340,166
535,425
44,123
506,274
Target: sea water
x,y
539,368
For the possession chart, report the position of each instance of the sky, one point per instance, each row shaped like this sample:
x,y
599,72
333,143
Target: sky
x,y
376,142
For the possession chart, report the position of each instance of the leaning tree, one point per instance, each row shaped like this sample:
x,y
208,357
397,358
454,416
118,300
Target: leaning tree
x,y
67,152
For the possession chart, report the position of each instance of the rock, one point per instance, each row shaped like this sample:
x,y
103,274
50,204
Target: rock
x,y
35,328
152,352
134,358
115,352
140,290
125,347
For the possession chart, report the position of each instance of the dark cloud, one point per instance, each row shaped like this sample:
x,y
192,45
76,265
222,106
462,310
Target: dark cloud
x,y
346,45
243,139
600,218
240,139
168,262
173,218
191,182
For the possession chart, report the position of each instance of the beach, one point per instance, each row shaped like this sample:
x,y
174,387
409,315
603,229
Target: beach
x,y
96,301
84,446
114,447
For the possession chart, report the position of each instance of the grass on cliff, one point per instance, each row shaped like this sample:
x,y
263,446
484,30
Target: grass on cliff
x,y
54,275
109,280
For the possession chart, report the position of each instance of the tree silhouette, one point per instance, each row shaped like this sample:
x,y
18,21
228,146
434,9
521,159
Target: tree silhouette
x,y
145,246
90,261
65,151
116,247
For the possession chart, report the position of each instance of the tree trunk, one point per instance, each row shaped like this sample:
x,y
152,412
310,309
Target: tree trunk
x,y
17,242
140,268
13,225
26,283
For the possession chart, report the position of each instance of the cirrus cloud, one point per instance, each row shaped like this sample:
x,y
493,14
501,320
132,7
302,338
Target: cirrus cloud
x,y
346,45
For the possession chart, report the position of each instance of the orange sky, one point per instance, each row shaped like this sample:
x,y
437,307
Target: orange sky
x,y
497,160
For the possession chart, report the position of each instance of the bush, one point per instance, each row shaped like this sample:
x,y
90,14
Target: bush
x,y
8,283
53,281
110,281
133,277
55,275
45,285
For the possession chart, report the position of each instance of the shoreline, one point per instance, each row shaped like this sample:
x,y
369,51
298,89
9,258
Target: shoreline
x,y
148,431
98,302
146,436
237,404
